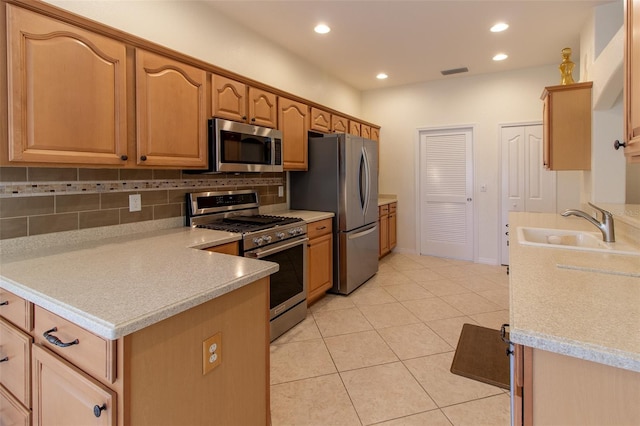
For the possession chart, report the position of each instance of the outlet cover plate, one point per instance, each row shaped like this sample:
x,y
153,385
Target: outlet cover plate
x,y
211,353
135,203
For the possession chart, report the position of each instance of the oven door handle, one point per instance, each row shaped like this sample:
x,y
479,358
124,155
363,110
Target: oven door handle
x,y
259,253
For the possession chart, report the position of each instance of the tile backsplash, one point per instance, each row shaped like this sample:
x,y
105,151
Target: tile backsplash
x,y
38,200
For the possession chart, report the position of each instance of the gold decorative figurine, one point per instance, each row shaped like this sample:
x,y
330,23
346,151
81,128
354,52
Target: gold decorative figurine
x,y
566,67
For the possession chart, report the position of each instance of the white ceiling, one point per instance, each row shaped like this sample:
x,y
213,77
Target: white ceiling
x,y
413,41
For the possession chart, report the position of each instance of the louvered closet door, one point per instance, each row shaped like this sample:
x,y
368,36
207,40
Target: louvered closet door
x,y
446,188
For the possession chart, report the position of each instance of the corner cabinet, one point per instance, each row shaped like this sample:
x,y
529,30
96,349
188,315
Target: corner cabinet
x,y
293,118
67,92
632,81
320,255
171,112
567,126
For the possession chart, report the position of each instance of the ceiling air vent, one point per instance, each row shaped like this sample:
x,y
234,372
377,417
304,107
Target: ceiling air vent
x,y
454,71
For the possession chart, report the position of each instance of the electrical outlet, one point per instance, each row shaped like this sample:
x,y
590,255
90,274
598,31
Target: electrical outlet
x,y
135,203
281,191
211,353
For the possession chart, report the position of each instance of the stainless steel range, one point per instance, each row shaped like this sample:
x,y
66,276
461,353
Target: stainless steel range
x,y
273,238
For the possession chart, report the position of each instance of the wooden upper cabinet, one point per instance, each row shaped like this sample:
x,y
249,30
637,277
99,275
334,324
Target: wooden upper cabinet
x,y
365,131
236,101
375,134
339,124
567,126
171,113
228,98
354,128
294,124
320,120
632,81
67,92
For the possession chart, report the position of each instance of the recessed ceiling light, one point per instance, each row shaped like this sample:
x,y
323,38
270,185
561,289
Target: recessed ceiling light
x,y
381,76
322,29
501,26
500,57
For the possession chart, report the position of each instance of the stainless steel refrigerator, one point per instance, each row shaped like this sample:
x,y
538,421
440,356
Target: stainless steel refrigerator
x,y
343,179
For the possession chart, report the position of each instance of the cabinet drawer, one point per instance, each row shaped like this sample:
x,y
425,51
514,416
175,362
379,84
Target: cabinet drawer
x,y
91,353
65,395
16,309
383,210
228,248
392,207
11,411
15,369
319,228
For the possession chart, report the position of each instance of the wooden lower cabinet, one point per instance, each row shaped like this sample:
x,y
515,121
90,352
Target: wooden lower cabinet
x,y
228,248
320,255
388,228
65,395
554,389
159,376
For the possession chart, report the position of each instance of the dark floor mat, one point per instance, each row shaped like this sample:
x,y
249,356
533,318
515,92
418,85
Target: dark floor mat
x,y
481,355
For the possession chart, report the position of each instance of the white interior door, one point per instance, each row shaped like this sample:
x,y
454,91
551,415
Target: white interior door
x,y
446,188
526,185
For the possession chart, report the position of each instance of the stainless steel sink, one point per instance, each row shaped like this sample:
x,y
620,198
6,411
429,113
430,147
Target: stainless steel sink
x,y
572,240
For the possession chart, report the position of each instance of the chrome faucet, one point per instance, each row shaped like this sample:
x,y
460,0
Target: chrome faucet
x,y
606,226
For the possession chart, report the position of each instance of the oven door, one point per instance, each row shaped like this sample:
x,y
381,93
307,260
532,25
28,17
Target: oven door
x,y
288,286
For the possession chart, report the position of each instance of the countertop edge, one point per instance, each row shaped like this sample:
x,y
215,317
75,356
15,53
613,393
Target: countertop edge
x,y
581,350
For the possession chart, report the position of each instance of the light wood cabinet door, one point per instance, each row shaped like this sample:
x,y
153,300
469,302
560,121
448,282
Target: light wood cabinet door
x,y
15,364
567,126
16,309
384,230
365,131
228,98
375,134
320,120
320,253
355,128
263,108
12,413
339,124
392,226
294,125
64,395
67,93
632,81
171,114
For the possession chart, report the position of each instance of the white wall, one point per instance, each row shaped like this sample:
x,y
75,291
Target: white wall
x,y
486,101
195,29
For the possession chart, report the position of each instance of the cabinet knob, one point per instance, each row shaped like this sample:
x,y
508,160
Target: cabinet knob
x,y
143,158
124,157
5,303
55,341
244,118
97,409
617,144
5,359
253,119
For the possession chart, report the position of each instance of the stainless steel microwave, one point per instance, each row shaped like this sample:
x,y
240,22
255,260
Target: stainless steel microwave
x,y
239,147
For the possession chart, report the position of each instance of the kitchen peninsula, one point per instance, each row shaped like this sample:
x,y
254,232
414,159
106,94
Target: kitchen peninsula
x,y
575,316
149,310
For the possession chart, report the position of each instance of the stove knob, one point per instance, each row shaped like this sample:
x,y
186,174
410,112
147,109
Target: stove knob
x,y
280,235
267,238
292,231
299,230
258,241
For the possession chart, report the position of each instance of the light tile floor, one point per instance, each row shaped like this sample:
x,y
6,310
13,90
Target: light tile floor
x,y
382,354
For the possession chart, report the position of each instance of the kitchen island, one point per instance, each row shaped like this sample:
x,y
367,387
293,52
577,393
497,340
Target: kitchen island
x,y
575,317
166,333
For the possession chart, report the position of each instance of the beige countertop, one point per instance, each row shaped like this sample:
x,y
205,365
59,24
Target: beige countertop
x,y
577,303
386,199
114,281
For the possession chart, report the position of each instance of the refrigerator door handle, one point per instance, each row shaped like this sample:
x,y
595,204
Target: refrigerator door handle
x,y
365,183
363,233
